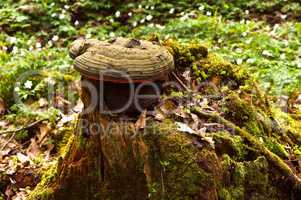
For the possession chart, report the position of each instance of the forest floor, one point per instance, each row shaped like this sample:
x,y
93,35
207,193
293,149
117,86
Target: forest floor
x,y
264,38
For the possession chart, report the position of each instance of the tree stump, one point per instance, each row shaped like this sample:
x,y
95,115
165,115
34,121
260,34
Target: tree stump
x,y
110,159
120,162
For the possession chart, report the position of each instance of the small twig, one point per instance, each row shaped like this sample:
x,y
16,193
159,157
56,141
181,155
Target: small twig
x,y
17,130
22,128
180,81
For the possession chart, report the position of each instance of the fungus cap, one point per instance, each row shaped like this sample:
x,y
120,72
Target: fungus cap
x,y
121,60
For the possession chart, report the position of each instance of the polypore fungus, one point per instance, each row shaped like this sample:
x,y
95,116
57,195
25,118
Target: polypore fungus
x,y
128,72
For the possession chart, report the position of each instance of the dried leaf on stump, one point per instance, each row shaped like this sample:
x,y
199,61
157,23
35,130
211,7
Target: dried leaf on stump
x,y
2,107
141,122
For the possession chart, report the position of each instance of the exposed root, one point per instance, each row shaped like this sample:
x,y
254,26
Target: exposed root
x,y
273,158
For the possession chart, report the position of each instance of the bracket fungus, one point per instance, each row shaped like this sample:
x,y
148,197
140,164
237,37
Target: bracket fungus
x,y
127,73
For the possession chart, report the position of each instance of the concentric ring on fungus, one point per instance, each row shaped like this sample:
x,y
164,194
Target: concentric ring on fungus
x,y
110,60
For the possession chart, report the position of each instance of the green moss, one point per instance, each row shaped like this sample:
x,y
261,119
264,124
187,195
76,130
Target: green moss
x,y
244,114
176,174
276,147
247,179
42,192
230,144
186,54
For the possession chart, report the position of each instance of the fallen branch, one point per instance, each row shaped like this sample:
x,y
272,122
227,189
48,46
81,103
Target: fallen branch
x,y
273,158
180,82
17,130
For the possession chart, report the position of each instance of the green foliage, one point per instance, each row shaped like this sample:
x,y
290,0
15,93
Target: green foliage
x,y
35,35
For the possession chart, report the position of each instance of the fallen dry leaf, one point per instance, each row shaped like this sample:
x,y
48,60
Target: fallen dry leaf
x,y
44,130
4,124
9,192
26,177
184,128
159,116
33,150
180,113
43,102
65,119
23,158
2,107
141,122
78,107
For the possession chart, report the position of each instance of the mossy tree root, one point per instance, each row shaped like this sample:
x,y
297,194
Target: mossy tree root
x,y
273,158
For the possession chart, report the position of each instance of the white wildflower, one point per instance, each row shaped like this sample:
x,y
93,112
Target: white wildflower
x,y
250,60
283,16
149,17
29,42
249,41
185,17
247,12
219,40
142,21
135,24
50,80
117,14
286,43
152,7
201,8
55,38
53,15
30,48
22,52
76,23
38,45
238,50
112,34
28,84
17,89
112,20
88,35
140,6
276,26
171,11
66,7
239,61
208,13
159,26
52,4
61,16
15,50
244,34
12,40
151,25
130,14
267,53
50,43
242,21
147,7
